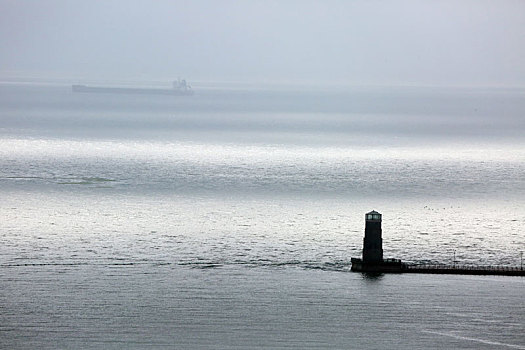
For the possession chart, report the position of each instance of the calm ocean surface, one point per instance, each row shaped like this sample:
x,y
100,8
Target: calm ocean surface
x,y
227,220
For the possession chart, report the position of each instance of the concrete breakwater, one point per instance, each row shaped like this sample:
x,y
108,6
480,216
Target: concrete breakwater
x,y
386,267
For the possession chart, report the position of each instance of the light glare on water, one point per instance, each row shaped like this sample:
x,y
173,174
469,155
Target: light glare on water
x,y
229,220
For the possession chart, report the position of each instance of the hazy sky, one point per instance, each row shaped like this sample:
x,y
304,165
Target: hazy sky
x,y
440,42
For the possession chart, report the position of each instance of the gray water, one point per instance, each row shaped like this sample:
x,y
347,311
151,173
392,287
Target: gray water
x,y
228,219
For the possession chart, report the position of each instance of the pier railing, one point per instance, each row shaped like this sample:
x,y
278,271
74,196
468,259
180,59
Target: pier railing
x,y
464,269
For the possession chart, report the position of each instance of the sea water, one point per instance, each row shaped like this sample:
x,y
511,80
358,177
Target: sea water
x,y
228,219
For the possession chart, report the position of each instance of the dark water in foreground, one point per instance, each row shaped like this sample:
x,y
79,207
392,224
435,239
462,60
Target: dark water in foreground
x,y
228,220
147,306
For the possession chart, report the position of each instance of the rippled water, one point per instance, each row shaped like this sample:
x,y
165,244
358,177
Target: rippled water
x,y
115,307
228,220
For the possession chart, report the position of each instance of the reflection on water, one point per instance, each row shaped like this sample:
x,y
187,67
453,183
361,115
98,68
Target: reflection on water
x,y
99,227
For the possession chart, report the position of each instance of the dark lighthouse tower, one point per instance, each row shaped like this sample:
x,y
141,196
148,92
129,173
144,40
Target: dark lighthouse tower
x,y
372,260
373,242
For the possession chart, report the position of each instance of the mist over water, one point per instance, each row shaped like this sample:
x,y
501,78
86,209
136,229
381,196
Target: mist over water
x,y
347,116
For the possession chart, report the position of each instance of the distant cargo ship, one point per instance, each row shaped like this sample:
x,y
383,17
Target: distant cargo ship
x,y
180,87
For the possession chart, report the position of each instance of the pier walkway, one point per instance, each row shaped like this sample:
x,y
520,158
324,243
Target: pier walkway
x,y
397,266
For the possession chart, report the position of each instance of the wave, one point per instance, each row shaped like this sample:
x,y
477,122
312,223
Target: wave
x,y
309,265
477,340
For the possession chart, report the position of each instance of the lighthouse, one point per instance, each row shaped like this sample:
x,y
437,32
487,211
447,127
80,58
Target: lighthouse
x,y
372,260
373,242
